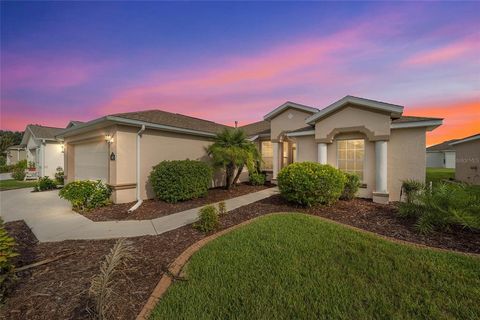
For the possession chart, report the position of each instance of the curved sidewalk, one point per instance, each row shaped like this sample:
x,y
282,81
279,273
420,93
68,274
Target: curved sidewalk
x,y
51,218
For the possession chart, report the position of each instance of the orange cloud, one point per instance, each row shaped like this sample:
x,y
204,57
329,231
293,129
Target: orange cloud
x,y
461,119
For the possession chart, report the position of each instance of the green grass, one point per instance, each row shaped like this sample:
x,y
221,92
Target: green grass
x,y
296,266
14,184
438,174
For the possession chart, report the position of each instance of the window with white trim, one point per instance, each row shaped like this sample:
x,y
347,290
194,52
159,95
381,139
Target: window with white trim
x,y
351,156
267,155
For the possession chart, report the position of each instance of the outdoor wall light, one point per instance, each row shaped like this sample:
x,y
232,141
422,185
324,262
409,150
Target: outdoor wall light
x,y
108,138
63,147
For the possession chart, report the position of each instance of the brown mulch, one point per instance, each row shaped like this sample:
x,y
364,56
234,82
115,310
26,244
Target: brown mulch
x,y
151,209
59,290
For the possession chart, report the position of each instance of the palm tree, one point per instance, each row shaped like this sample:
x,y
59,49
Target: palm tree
x,y
233,151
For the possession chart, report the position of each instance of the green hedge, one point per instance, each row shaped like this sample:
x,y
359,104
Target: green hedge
x,y
86,195
45,183
180,180
311,183
208,219
257,179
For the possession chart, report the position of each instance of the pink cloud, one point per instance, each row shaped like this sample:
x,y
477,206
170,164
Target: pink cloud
x,y
41,71
307,62
445,53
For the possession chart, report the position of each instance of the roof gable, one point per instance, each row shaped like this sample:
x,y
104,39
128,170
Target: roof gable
x,y
285,106
394,110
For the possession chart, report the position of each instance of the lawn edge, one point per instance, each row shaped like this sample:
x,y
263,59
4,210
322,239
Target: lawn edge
x,y
177,265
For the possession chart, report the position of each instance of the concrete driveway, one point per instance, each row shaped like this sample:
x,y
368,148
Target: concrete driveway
x,y
51,219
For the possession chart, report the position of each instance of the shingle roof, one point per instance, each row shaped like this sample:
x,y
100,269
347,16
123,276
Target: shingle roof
x,y
43,132
173,119
444,146
255,128
466,139
413,119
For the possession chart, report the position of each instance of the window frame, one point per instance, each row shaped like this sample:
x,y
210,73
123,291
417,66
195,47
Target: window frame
x,y
262,165
362,180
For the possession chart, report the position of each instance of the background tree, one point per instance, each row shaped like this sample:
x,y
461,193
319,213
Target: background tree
x,y
9,138
233,152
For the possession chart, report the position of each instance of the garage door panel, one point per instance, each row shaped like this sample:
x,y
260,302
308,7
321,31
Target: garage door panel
x,y
91,161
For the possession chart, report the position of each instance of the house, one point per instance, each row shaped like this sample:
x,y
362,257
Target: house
x,y
441,155
370,138
15,154
43,149
467,155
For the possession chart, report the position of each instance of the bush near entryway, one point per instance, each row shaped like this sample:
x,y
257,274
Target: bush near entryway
x,y
180,180
311,183
351,186
45,183
86,195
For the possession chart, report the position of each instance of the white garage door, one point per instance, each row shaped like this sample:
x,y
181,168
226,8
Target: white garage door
x,y
91,161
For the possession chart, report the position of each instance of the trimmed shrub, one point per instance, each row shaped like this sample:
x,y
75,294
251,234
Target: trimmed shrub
x,y
60,176
311,183
410,188
352,184
18,174
21,164
86,195
45,183
7,168
208,221
3,161
180,180
257,179
222,208
7,253
446,205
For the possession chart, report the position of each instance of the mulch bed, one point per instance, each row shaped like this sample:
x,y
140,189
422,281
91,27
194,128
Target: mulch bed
x,y
59,290
151,209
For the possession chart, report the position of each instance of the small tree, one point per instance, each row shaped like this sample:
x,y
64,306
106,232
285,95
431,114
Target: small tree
x,y
233,152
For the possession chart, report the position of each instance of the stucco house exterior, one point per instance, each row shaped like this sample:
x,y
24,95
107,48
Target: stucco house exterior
x,y
467,153
441,155
367,137
43,149
15,154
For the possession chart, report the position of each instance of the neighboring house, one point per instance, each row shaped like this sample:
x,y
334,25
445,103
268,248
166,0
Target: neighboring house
x,y
43,149
15,154
468,159
366,137
441,155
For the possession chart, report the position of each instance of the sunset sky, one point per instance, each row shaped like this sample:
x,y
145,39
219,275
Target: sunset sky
x,y
237,61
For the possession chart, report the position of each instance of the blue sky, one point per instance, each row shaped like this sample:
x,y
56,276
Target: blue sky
x,y
237,61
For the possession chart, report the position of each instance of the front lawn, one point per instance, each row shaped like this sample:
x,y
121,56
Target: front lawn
x,y
295,266
15,184
438,174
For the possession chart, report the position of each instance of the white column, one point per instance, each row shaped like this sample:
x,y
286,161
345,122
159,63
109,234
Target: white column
x,y
275,159
322,153
381,166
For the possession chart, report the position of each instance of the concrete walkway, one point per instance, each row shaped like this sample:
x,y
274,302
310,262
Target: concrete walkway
x,y
51,218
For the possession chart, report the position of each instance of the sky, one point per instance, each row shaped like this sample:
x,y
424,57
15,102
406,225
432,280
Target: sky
x,y
229,62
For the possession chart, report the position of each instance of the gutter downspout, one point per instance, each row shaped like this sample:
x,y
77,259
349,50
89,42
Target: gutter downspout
x,y
42,149
139,198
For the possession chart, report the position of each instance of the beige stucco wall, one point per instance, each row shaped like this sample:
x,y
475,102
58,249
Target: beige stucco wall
x,y
406,158
353,117
306,148
288,120
157,146
468,162
53,158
